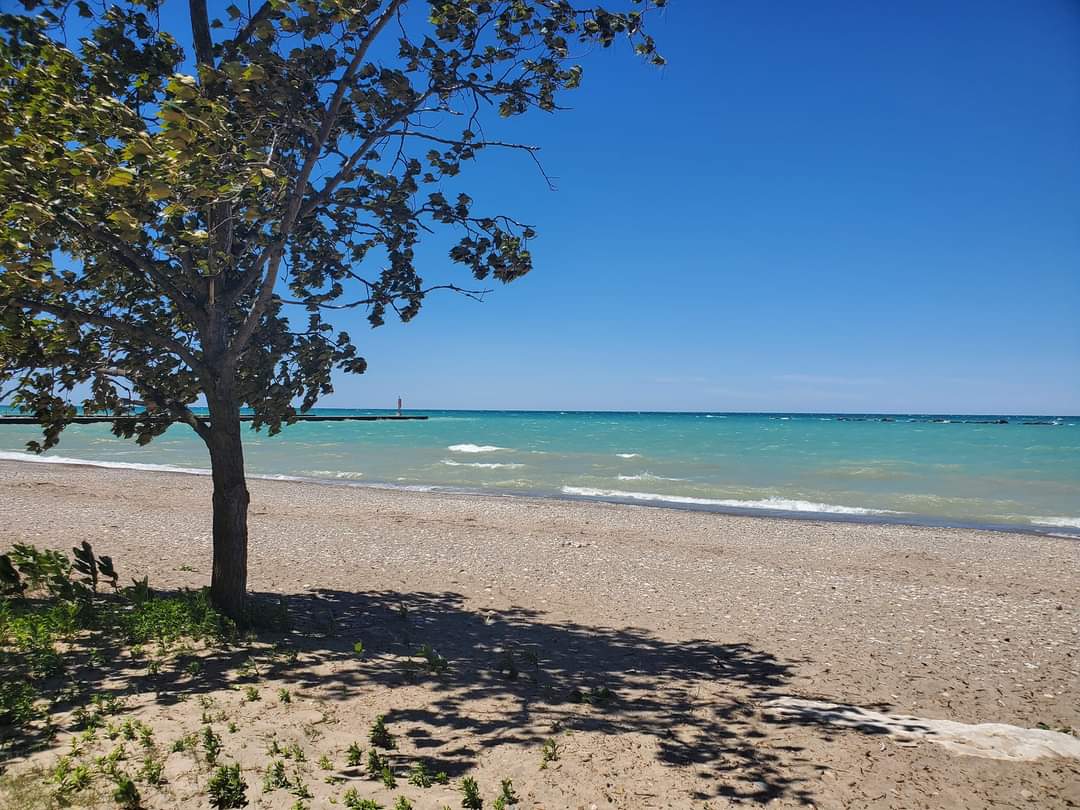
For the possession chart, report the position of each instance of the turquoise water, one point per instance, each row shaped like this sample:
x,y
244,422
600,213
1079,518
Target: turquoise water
x,y
946,470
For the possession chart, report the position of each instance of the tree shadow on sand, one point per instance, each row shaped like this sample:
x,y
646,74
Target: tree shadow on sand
x,y
696,699
693,697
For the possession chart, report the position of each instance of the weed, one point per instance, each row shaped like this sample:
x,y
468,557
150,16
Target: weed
x,y
506,798
250,669
596,696
442,778
211,744
379,735
419,776
353,755
232,727
275,776
295,752
227,788
125,794
189,742
188,568
152,771
299,787
403,804
284,696
353,801
251,694
549,753
146,736
435,663
470,794
17,703
194,667
375,763
387,777
325,763
358,648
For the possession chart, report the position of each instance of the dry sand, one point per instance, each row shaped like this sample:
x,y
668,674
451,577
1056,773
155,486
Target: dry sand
x,y
699,624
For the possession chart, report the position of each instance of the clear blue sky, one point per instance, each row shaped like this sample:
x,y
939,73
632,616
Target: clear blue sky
x,y
827,206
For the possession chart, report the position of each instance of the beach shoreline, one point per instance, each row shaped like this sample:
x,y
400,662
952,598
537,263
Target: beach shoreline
x,y
951,624
914,520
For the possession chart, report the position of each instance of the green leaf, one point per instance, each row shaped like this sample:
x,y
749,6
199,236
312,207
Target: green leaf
x,y
120,177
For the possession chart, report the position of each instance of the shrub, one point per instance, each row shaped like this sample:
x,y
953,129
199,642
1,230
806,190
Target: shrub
x,y
227,788
470,794
353,755
380,735
506,798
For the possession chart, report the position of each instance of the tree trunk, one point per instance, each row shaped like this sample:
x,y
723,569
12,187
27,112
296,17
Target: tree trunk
x,y
228,585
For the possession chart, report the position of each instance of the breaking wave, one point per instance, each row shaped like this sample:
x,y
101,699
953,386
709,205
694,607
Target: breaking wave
x,y
772,504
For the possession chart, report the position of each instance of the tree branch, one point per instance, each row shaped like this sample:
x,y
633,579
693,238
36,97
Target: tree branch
x,y
333,108
200,33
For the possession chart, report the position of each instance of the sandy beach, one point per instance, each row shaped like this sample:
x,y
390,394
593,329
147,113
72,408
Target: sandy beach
x,y
657,646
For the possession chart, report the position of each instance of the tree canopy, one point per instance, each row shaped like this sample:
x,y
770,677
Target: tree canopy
x,y
180,209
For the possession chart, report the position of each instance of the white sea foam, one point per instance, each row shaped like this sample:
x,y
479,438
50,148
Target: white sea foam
x,y
111,465
1061,522
481,465
345,474
648,476
474,448
773,504
628,455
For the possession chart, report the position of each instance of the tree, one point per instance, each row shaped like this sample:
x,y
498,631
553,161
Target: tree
x,y
175,225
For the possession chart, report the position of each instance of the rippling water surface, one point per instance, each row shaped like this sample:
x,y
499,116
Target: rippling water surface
x,y
946,469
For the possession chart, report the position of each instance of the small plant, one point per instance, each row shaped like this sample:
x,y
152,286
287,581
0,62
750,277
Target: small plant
x,y
419,776
275,776
189,742
211,743
232,727
146,736
325,763
250,669
125,793
284,696
299,788
251,694
387,777
442,778
352,801
597,696
470,794
506,798
353,754
194,667
379,735
227,788
435,663
549,753
375,763
358,648
76,780
295,752
152,771
403,804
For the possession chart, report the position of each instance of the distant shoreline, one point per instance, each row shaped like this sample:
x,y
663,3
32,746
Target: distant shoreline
x,y
915,521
